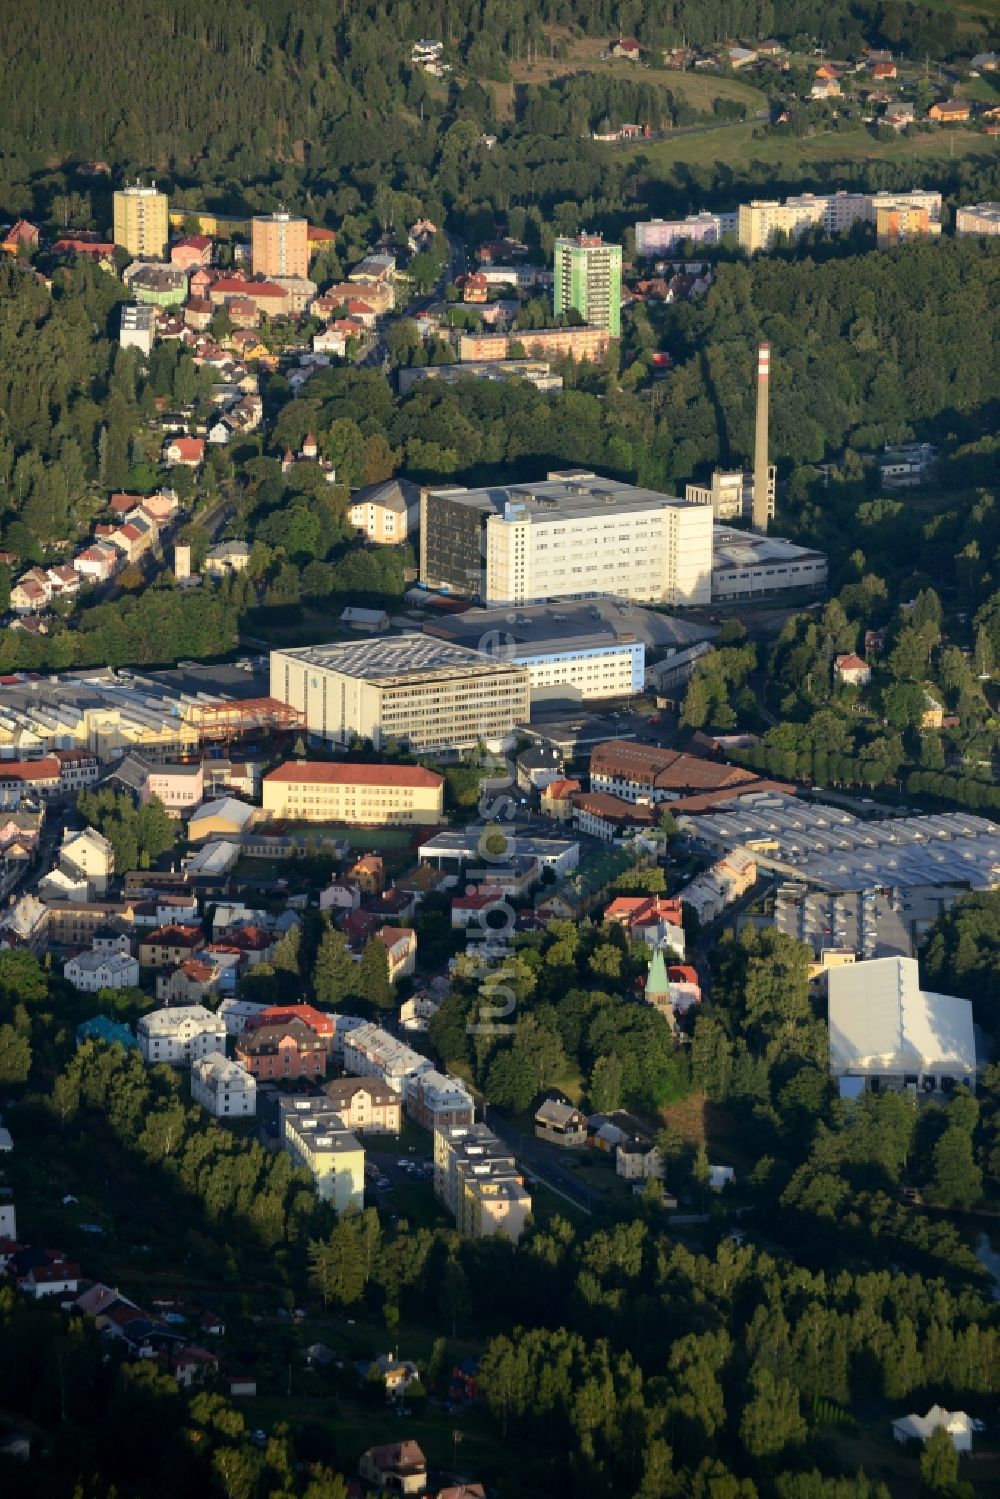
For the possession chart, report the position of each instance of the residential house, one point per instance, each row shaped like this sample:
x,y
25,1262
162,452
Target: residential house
x,y
78,770
98,562
169,944
189,982
559,1123
108,1032
370,1051
90,971
368,873
38,779
386,513
287,1050
397,1468
189,452
397,1374
91,856
191,252
21,238
950,111
223,1087
557,799
851,669
180,1035
227,557
626,47
236,1013
473,909
656,920
710,892
321,1022
56,1277
366,1106
638,1160
400,945
436,1101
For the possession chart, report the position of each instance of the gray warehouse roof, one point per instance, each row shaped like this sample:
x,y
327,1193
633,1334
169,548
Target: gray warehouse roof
x,y
832,848
400,656
562,496
568,623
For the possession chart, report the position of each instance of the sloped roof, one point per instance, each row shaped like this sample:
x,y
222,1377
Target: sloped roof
x,y
882,1021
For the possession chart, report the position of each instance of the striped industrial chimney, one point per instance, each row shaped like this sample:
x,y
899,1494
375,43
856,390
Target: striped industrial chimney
x,y
760,465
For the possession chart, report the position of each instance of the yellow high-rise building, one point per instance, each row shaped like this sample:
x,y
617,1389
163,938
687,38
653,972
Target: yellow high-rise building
x,y
279,245
141,221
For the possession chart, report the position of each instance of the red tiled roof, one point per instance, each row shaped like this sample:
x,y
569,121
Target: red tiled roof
x,y
30,770
324,773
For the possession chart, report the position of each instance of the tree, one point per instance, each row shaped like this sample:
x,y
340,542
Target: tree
x,y
956,1180
771,1419
939,1462
374,983
15,1056
605,1090
605,961
335,973
453,1298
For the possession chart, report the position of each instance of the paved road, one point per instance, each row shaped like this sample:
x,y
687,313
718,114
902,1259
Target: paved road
x,y
538,1159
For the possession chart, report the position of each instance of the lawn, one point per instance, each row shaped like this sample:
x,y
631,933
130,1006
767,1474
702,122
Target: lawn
x,y
736,145
584,56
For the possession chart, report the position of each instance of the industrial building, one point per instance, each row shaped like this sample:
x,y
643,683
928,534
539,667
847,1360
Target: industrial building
x,y
888,1033
830,848
730,493
587,648
407,689
747,565
165,714
570,534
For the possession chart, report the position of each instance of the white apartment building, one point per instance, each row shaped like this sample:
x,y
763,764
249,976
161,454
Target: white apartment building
x,y
369,1051
180,1035
234,1014
223,1087
978,218
761,221
568,535
90,971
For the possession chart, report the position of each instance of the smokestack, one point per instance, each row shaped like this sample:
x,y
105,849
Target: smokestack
x,y
760,465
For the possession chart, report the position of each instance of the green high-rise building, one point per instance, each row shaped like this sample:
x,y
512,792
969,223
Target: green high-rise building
x,y
587,275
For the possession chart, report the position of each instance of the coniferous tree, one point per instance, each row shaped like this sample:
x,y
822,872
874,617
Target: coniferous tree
x,y
335,973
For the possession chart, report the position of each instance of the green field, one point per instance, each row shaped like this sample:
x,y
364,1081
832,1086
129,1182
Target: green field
x,y
736,145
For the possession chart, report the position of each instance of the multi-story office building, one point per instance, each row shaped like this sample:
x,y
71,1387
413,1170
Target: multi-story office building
x,y
224,1088
324,791
730,494
978,218
312,1132
568,535
477,1179
407,689
587,276
279,245
141,224
660,236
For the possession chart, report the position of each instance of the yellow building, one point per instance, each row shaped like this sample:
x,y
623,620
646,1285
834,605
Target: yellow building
x,y
762,221
313,1134
895,223
217,225
477,1179
141,221
279,245
370,795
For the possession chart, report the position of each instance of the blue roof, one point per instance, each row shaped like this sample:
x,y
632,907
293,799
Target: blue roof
x,y
100,1028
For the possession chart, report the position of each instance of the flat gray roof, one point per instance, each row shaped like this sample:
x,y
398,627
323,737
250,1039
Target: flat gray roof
x,y
399,656
830,847
740,549
566,496
568,622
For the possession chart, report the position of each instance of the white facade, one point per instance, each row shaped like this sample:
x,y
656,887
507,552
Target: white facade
x,y
749,566
886,1030
90,971
223,1087
369,1051
181,1034
978,218
658,551
234,1013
